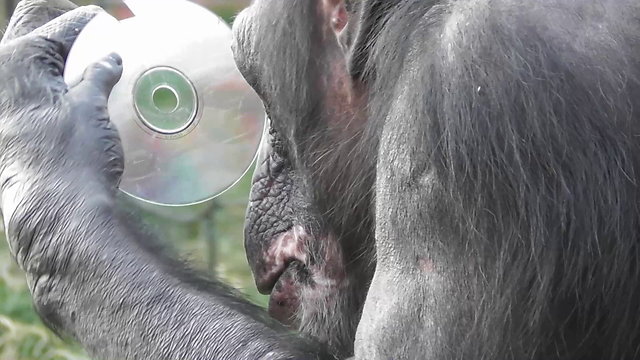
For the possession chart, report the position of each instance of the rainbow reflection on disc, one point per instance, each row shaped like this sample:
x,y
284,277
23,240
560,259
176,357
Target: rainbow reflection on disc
x,y
190,124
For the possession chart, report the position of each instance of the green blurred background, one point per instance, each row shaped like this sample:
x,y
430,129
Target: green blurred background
x,y
210,235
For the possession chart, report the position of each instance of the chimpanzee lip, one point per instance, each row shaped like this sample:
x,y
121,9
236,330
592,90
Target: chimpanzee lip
x,y
268,282
286,271
284,300
286,249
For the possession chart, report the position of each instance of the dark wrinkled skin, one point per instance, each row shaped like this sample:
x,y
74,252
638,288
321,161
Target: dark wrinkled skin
x,y
442,180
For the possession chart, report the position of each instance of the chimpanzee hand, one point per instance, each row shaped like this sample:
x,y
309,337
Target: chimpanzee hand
x,y
53,139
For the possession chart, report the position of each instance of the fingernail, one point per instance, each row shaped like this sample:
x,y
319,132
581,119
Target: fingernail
x,y
117,58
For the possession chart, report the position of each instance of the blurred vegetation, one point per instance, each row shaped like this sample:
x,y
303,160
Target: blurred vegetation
x,y
211,240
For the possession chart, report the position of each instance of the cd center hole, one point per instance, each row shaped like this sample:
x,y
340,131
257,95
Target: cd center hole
x,y
165,99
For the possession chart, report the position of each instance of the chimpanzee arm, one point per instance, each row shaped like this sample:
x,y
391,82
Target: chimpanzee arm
x,y
98,279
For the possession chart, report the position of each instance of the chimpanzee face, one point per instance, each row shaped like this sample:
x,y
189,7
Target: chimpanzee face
x,y
308,233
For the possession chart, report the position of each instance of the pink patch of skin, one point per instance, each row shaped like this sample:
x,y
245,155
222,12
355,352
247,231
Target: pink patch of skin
x,y
284,259
426,265
330,272
336,12
284,300
286,248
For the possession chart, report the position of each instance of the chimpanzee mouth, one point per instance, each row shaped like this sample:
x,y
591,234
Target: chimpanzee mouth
x,y
284,269
288,247
289,273
284,301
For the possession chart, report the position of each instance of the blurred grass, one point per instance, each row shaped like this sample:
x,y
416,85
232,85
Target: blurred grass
x,y
22,335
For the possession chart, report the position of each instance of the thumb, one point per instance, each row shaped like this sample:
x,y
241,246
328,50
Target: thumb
x,y
99,78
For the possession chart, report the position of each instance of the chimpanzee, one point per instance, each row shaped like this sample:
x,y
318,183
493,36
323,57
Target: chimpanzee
x,y
447,179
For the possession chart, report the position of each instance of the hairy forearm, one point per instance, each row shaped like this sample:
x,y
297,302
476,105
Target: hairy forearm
x,y
97,279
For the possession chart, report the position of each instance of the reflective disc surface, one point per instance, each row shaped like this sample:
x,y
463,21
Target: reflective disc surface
x,y
190,124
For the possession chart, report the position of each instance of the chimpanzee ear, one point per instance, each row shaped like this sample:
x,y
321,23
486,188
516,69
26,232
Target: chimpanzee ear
x,y
356,23
339,18
336,15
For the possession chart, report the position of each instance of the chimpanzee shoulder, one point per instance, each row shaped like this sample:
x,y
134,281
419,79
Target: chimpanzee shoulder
x,y
506,188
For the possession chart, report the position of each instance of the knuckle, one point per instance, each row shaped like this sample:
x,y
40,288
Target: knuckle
x,y
37,51
90,9
31,45
104,66
98,66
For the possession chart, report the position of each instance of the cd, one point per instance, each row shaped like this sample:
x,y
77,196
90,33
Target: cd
x,y
190,124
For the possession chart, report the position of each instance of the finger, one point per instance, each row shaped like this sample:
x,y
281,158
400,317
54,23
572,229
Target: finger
x,y
93,92
64,30
32,14
100,78
36,61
